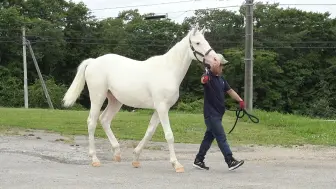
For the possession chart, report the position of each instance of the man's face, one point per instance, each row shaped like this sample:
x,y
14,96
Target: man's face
x,y
221,67
218,70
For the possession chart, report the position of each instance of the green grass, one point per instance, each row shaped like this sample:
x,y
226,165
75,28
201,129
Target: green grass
x,y
273,128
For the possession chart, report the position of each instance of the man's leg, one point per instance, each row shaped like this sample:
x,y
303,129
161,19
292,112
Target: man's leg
x,y
204,147
218,132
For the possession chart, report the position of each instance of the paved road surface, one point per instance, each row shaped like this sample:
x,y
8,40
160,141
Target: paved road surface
x,y
47,162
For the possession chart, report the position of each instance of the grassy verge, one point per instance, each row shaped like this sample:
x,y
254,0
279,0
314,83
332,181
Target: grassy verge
x,y
274,128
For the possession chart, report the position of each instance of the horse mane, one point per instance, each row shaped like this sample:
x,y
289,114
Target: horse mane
x,y
177,51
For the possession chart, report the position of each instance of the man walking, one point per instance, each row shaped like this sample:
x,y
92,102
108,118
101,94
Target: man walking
x,y
215,88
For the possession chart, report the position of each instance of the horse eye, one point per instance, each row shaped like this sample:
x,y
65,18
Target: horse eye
x,y
197,43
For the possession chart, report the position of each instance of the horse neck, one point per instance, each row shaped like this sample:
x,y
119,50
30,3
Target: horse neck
x,y
178,59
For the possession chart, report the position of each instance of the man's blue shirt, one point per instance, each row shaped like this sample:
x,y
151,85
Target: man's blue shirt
x,y
214,95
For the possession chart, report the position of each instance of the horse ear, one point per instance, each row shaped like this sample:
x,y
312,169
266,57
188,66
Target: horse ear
x,y
195,29
203,30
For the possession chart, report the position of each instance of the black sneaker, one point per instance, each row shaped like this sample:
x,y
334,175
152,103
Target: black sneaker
x,y
200,165
234,164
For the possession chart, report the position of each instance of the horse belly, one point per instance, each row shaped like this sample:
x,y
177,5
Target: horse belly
x,y
134,96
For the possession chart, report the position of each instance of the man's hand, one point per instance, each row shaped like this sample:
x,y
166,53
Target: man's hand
x,y
242,104
235,96
204,79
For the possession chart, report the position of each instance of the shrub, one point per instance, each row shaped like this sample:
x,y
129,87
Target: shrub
x,y
37,98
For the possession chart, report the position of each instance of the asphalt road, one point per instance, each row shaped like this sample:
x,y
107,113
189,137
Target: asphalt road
x,y
45,161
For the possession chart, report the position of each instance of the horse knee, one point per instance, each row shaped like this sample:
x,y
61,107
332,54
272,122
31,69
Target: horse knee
x,y
100,118
91,124
169,137
150,132
104,122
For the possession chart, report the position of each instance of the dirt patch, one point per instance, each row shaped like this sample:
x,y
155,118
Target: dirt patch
x,y
159,150
38,159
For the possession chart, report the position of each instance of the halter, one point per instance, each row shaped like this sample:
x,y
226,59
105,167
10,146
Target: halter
x,y
196,52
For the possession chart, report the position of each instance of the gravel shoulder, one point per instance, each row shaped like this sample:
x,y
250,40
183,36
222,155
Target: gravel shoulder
x,y
38,159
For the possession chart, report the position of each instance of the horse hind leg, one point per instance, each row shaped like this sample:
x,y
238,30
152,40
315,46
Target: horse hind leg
x,y
154,122
106,117
97,91
97,101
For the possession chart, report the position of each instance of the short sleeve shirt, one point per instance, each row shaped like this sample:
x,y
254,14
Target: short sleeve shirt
x,y
214,95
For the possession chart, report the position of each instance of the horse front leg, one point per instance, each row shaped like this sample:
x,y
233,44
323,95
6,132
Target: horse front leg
x,y
154,122
162,109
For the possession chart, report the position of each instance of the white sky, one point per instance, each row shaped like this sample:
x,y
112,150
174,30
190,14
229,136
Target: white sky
x,y
177,11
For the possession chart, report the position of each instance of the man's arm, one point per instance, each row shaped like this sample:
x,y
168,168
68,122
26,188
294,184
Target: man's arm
x,y
234,95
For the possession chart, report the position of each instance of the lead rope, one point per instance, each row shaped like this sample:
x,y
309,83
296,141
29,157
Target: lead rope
x,y
253,118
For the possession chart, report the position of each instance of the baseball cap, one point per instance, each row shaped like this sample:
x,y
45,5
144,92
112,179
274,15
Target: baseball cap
x,y
222,59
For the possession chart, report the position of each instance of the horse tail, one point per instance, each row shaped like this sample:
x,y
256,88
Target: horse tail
x,y
77,84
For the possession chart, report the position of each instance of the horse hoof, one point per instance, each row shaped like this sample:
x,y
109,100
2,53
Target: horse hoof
x,y
117,158
179,170
136,164
96,164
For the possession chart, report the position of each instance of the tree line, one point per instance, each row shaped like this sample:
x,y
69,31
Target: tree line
x,y
294,52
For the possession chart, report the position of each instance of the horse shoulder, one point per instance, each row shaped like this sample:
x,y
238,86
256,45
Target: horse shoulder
x,y
164,88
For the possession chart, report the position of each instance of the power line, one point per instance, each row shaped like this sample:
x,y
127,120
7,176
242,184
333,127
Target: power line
x,y
222,41
212,8
185,11
166,45
187,1
172,12
304,4
179,14
278,47
218,7
145,5
154,44
211,25
268,38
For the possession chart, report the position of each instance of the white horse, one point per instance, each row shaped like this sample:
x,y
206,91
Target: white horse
x,y
150,84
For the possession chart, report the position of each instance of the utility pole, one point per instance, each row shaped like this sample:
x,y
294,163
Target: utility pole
x,y
248,88
40,76
25,87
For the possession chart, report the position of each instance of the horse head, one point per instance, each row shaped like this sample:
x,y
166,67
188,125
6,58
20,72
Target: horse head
x,y
200,48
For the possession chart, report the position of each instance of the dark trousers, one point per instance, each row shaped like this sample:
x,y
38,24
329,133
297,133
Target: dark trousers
x,y
214,130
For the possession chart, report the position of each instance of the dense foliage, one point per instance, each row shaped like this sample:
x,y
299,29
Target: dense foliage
x,y
294,56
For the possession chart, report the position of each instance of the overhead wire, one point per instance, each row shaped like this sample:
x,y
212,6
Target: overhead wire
x,y
144,5
209,8
183,12
264,45
243,4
